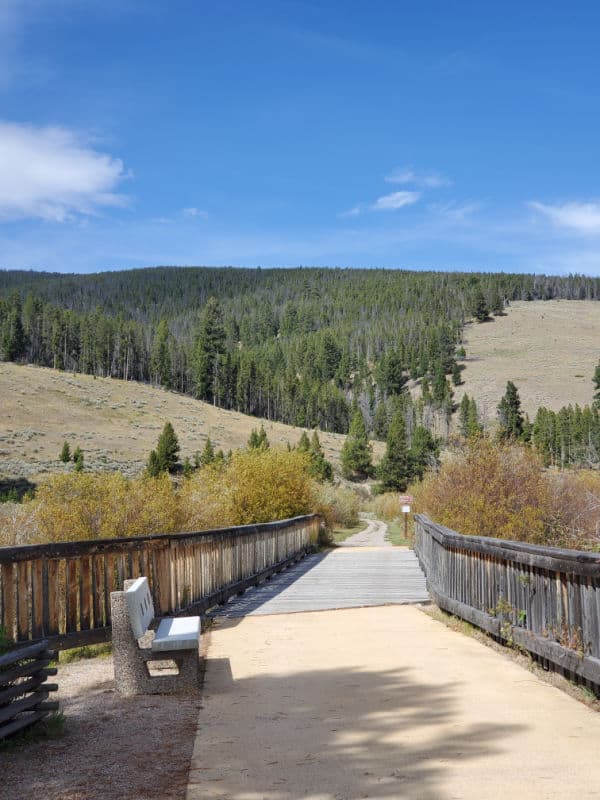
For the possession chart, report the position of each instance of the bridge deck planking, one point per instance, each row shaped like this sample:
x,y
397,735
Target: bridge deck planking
x,y
370,577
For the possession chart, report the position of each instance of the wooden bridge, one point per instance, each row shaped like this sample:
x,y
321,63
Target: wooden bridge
x,y
325,679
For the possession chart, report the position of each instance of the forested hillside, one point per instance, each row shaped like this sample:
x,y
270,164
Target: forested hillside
x,y
298,346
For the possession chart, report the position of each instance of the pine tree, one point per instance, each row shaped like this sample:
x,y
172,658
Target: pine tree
x,y
510,414
161,357
153,466
208,453
479,307
187,468
304,443
596,382
463,415
258,439
208,351
356,455
78,459
424,451
474,426
65,453
394,470
319,468
167,449
380,422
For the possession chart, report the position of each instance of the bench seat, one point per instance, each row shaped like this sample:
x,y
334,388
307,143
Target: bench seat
x,y
177,633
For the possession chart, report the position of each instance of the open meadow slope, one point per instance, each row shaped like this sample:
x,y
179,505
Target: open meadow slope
x,y
549,349
116,423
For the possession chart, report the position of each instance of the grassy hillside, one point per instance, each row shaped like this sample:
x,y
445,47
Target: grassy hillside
x,y
116,423
549,349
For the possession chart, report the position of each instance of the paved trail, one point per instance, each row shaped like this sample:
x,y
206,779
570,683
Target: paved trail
x,y
382,703
374,535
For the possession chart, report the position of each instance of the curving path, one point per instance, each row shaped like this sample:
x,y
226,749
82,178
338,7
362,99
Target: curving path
x,y
374,535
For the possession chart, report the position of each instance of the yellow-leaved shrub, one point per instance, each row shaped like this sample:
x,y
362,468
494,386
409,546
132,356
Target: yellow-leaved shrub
x,y
490,490
103,505
254,486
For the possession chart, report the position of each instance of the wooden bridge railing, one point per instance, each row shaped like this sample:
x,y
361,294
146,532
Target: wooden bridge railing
x,y
543,599
61,592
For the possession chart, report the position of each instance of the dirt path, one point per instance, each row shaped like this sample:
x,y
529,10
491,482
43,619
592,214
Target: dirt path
x,y
134,748
374,535
381,703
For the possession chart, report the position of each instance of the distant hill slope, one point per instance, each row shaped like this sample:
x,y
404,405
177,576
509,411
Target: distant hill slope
x,y
549,349
116,423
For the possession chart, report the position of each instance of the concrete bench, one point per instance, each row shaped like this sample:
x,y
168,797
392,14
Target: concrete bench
x,y
136,646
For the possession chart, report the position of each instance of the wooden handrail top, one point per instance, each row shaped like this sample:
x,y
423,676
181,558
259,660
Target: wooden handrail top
x,y
29,552
550,558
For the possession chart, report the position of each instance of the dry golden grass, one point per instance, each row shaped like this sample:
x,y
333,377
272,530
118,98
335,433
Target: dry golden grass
x,y
116,423
548,349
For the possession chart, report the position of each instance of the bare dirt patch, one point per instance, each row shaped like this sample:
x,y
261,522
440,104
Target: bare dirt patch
x,y
116,423
549,349
135,748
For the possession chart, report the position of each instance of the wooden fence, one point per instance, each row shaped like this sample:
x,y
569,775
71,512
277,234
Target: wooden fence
x,y
23,688
61,592
543,599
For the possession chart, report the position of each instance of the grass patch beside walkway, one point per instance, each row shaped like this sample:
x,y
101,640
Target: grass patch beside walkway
x,y
340,534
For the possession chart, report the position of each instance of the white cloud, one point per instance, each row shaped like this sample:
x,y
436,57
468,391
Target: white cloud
x,y
395,200
456,212
194,212
407,175
581,217
50,173
352,212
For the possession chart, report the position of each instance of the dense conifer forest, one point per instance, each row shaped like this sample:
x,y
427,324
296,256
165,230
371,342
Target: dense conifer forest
x,y
300,346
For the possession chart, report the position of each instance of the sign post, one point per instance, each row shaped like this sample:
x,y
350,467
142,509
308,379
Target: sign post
x,y
406,501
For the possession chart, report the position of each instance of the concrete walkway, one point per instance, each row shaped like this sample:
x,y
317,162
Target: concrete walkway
x,y
374,535
340,578
381,703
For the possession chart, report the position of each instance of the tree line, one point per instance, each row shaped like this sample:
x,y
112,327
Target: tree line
x,y
301,346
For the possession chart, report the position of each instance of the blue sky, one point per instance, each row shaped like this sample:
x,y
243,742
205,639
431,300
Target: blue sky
x,y
399,134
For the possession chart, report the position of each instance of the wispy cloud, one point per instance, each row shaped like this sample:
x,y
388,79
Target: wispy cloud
x,y
409,176
51,173
194,212
455,211
581,217
395,200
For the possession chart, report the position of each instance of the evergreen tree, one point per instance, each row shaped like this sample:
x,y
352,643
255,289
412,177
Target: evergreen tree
x,y
65,453
510,414
153,466
78,459
356,455
304,443
456,374
596,382
424,452
258,439
161,356
187,468
463,416
474,426
319,468
394,471
208,453
167,449
208,351
380,422
479,307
